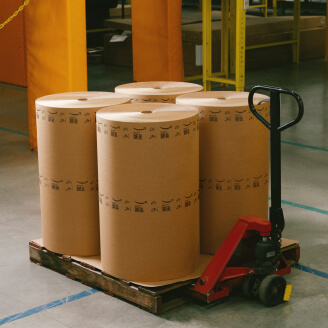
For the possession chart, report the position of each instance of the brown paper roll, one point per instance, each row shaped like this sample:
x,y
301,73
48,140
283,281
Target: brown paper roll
x,y
162,92
148,164
234,162
66,127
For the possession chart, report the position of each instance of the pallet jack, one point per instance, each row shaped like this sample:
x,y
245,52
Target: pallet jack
x,y
250,256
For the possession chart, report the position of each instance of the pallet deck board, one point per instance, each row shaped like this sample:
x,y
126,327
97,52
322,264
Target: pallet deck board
x,y
156,300
150,299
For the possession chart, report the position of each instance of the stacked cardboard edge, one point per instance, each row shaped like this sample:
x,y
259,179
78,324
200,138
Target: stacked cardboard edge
x,y
117,12
259,30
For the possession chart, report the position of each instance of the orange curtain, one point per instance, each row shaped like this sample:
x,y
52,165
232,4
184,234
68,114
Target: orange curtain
x,y
56,51
157,40
12,53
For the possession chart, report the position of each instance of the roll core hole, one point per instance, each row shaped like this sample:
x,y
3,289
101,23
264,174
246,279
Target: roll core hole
x,y
146,112
82,99
221,98
157,88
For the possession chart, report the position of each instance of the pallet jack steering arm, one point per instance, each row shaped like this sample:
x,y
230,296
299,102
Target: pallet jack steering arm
x,y
219,278
275,213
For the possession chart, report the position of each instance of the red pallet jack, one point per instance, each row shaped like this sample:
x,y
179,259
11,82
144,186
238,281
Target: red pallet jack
x,y
251,256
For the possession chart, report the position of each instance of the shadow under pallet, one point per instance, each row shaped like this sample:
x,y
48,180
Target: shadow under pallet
x,y
155,300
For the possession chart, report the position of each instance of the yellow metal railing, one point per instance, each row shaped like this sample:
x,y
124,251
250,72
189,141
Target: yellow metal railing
x,y
263,5
274,7
233,43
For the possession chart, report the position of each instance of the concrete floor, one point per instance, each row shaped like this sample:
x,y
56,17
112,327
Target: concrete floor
x,y
32,296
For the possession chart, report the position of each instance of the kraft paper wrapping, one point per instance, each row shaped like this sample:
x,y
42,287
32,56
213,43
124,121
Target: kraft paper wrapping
x,y
234,162
148,164
66,126
158,91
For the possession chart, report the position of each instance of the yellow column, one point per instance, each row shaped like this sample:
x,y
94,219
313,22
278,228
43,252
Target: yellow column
x,y
233,35
296,46
225,37
274,7
240,45
265,8
207,43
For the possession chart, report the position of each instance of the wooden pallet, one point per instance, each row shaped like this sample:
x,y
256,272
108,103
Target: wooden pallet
x,y
156,300
292,252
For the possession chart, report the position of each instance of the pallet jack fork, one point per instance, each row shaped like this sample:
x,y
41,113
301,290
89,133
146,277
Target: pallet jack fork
x,y
250,256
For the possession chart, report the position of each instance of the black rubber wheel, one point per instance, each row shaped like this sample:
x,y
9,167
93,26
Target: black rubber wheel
x,y
247,286
272,290
250,286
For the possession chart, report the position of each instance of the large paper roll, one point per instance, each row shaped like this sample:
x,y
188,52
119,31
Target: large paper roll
x,y
148,164
160,91
234,162
66,127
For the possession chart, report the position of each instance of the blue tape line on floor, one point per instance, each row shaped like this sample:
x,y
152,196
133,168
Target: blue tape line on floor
x,y
304,207
48,306
11,86
309,208
14,131
93,291
310,270
304,146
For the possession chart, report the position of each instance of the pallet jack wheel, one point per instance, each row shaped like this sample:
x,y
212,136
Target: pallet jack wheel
x,y
272,290
250,286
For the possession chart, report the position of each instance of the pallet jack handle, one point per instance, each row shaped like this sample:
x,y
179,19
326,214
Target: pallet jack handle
x,y
276,214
